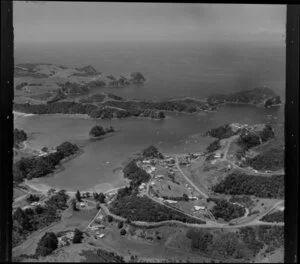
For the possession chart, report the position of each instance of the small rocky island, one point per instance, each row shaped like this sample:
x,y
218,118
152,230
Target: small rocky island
x,y
98,132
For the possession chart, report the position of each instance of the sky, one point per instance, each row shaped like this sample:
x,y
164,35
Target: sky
x,y
60,22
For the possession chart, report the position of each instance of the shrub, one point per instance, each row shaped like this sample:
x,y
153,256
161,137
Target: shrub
x,y
39,209
78,236
78,196
152,152
120,225
101,198
122,232
47,244
19,137
109,218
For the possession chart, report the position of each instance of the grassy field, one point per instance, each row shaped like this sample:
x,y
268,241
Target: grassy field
x,y
18,193
70,220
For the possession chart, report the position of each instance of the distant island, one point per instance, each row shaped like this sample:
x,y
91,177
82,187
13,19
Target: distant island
x,y
98,132
256,96
51,89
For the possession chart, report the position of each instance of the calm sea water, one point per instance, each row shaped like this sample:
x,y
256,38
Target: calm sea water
x,y
172,70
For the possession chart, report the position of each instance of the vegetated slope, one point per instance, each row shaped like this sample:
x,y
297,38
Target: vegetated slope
x,y
144,209
19,137
243,244
35,167
222,132
227,210
101,256
260,186
272,159
277,216
28,220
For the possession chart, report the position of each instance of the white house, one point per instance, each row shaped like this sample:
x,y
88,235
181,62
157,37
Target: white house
x,y
101,235
197,207
217,155
171,201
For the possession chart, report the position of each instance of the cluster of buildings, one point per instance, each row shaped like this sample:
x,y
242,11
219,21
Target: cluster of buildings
x,y
187,159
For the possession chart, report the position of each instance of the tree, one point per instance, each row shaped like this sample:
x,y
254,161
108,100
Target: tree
x,y
122,232
78,196
39,209
22,219
51,191
185,197
152,152
67,148
120,225
45,149
95,195
97,131
47,244
78,236
109,218
101,198
74,204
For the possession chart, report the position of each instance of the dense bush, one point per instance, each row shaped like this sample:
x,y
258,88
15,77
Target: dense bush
x,y
184,198
152,152
120,225
215,145
122,232
102,256
19,137
267,133
100,197
200,238
144,209
98,131
249,140
227,210
27,221
47,244
277,216
78,236
221,132
135,174
272,159
35,167
272,101
243,244
260,186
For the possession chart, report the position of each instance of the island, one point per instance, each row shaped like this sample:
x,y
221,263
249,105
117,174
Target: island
x,y
98,132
